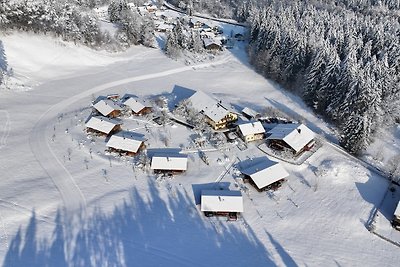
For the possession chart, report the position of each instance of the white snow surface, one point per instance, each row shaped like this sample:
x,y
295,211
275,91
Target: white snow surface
x,y
64,202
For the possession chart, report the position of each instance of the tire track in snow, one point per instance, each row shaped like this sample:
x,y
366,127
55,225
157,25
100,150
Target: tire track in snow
x,y
6,129
71,194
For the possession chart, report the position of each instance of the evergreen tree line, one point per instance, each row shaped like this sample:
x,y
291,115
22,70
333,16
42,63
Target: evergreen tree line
x,y
180,40
344,62
75,21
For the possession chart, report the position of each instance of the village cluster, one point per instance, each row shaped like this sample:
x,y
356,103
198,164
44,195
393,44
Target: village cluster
x,y
220,118
211,34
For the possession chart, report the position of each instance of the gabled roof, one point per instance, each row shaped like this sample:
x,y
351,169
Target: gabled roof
x,y
171,162
102,124
250,112
265,172
135,104
297,136
208,41
221,201
251,128
106,106
208,105
126,141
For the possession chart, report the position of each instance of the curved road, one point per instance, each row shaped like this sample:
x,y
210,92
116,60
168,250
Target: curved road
x,y
71,194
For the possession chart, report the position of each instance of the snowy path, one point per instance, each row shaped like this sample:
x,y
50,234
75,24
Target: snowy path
x,y
39,142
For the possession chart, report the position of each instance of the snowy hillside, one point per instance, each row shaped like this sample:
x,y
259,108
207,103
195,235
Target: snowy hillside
x,y
65,201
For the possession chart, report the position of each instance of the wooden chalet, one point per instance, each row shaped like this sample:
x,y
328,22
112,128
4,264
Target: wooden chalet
x,y
102,125
138,107
294,136
264,174
251,131
221,203
212,45
108,108
218,116
169,163
127,143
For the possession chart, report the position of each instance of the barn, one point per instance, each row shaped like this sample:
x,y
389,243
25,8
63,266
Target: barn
x,y
222,203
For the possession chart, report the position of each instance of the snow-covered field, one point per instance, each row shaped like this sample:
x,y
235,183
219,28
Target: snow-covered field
x,y
96,210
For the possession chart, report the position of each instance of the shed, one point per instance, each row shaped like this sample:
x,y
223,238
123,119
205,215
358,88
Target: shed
x,y
297,137
138,107
169,162
107,107
264,173
103,125
250,113
127,142
251,131
221,202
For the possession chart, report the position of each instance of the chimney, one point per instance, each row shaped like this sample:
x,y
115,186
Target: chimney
x,y
299,130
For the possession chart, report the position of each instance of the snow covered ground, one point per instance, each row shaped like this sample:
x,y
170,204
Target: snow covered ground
x,y
64,202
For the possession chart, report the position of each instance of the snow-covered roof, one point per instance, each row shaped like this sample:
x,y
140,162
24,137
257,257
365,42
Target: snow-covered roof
x,y
250,112
126,141
221,201
135,104
106,106
265,172
172,162
209,41
251,128
294,134
397,211
208,105
102,124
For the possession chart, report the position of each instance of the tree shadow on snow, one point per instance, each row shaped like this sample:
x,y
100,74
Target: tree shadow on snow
x,y
142,231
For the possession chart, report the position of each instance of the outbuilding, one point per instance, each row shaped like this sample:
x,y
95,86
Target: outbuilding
x,y
264,174
221,203
102,125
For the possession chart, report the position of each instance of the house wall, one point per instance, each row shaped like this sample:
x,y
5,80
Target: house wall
x,y
114,114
